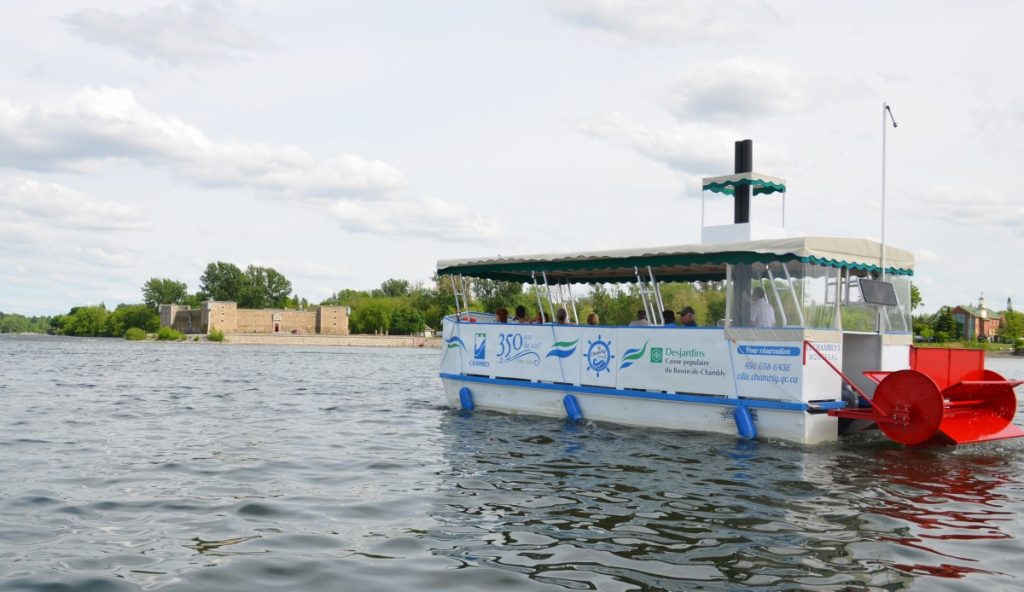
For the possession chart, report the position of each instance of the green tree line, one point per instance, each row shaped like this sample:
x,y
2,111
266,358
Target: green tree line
x,y
16,323
97,321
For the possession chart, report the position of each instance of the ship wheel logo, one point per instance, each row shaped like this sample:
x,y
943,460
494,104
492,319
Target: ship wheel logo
x,y
599,356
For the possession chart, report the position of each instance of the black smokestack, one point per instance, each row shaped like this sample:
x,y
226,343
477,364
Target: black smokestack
x,y
741,197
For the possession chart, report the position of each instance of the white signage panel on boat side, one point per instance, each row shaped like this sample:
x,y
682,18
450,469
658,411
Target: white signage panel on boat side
x,y
676,360
820,381
769,370
528,352
451,349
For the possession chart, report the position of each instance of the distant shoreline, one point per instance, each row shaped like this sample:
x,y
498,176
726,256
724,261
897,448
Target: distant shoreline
x,y
384,341
333,340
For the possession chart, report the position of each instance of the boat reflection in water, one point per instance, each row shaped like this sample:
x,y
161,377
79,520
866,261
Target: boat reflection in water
x,y
942,506
616,508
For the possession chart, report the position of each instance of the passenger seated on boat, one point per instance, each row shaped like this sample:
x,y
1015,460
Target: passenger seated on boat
x,y
521,315
669,316
641,319
562,317
539,319
592,319
687,318
502,315
761,313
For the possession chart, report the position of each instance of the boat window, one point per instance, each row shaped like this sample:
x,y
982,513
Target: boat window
x,y
819,288
897,318
800,294
858,315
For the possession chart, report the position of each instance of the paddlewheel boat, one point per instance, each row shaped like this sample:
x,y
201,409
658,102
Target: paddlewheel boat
x,y
838,356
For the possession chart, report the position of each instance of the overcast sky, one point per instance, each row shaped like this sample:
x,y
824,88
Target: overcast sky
x,y
343,143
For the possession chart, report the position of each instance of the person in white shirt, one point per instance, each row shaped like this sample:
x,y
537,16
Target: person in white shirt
x,y
641,319
761,313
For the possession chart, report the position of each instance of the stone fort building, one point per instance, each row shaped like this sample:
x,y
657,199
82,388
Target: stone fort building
x,y
228,318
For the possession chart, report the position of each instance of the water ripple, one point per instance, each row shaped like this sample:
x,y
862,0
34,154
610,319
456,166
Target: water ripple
x,y
142,466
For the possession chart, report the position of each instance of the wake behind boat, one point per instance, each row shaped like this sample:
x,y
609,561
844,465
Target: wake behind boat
x,y
816,332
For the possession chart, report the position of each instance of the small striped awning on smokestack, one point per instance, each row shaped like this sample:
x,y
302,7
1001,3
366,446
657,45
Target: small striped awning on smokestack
x,y
760,184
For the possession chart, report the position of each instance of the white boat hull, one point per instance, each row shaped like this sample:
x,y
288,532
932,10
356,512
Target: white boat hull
x,y
636,410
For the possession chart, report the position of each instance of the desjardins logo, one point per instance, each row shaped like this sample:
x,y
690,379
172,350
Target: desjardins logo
x,y
658,354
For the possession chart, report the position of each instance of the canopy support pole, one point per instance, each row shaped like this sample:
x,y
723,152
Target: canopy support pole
x,y
728,296
648,307
778,301
899,307
536,292
837,321
572,302
455,293
547,287
783,208
792,291
657,295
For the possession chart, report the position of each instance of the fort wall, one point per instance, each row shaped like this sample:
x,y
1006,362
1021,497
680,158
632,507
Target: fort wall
x,y
228,318
267,320
332,320
182,318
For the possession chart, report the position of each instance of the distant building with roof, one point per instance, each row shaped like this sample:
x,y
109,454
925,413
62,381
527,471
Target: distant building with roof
x,y
977,322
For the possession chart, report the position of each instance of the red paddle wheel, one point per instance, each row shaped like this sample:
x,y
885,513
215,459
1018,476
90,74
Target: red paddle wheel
x,y
947,396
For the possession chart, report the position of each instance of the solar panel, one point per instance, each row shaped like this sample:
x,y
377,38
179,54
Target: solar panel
x,y
878,292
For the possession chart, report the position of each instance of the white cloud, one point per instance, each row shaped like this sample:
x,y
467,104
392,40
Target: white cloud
x,y
200,34
46,222
694,150
55,205
422,217
97,126
926,256
31,241
976,208
742,87
668,21
997,119
305,269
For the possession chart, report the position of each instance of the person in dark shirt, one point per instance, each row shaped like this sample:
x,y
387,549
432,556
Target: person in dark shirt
x,y
687,317
521,315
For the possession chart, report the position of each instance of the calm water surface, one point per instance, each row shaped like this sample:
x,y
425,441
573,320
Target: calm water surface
x,y
156,466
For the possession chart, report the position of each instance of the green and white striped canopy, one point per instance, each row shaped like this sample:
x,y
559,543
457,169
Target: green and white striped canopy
x,y
700,262
758,182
